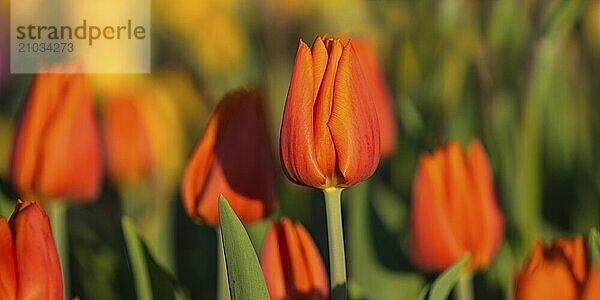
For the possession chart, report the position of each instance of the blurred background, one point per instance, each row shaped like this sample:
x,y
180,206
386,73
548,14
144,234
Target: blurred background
x,y
522,76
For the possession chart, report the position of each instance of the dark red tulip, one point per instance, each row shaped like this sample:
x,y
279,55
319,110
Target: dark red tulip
x,y
233,158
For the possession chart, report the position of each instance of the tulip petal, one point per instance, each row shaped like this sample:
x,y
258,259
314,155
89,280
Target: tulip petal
x,y
546,277
8,271
72,128
592,287
39,272
433,245
380,92
297,142
353,123
314,263
272,265
233,158
126,138
575,253
490,221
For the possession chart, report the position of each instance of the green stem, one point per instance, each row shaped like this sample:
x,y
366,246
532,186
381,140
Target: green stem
x,y
58,220
337,258
137,259
464,287
222,279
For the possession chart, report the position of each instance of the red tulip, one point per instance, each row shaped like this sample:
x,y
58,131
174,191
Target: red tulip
x,y
454,209
233,158
128,149
558,272
381,94
29,265
291,263
330,131
56,151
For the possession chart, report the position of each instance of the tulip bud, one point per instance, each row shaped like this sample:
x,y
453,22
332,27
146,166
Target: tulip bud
x,y
558,272
56,150
233,158
291,263
128,153
382,99
29,265
454,209
329,132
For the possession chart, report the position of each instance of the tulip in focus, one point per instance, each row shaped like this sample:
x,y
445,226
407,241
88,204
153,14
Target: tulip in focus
x,y
291,263
56,150
367,56
454,209
330,131
560,271
29,265
233,158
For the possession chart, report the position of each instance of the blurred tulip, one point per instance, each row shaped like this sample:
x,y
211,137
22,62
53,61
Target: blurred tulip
x,y
380,93
330,132
233,158
558,272
29,265
454,209
128,152
592,287
291,263
56,150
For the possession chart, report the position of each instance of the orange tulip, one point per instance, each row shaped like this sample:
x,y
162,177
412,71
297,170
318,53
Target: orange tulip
x,y
330,131
367,57
56,151
558,272
233,158
29,265
128,153
291,263
454,209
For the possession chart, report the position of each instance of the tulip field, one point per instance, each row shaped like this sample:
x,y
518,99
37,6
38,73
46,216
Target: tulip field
x,y
285,149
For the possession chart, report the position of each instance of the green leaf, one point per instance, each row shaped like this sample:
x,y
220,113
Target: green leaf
x,y
441,287
423,293
246,280
594,243
137,260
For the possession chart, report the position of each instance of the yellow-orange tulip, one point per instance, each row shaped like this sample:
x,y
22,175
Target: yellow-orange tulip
x,y
330,132
233,158
454,209
291,263
381,94
56,151
29,265
560,271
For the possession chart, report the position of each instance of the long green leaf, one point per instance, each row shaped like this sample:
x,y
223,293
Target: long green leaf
x,y
137,259
246,280
441,287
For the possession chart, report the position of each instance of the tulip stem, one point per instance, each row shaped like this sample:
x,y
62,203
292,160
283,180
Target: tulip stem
x,y
337,257
464,287
222,279
57,210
